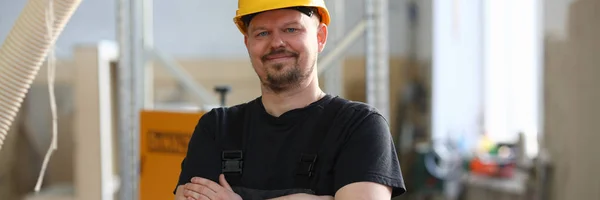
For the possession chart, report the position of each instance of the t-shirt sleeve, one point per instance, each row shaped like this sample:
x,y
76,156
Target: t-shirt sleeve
x,y
369,155
202,157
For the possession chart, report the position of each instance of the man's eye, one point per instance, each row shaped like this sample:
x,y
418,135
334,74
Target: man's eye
x,y
264,33
290,30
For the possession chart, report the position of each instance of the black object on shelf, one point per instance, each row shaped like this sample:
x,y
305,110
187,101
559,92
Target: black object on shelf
x,y
222,90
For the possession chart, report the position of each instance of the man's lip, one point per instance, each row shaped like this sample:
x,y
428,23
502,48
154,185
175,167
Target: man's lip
x,y
278,57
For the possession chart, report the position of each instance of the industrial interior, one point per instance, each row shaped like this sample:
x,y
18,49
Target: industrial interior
x,y
486,99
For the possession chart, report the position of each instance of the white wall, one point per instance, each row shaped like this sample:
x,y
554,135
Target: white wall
x,y
486,69
457,68
513,52
198,28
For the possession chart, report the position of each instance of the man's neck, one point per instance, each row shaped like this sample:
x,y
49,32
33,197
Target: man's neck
x,y
278,103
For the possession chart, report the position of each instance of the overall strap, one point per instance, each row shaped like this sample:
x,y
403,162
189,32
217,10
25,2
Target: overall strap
x,y
305,170
232,156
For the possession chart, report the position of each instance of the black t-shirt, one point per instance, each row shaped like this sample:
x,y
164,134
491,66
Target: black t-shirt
x,y
358,147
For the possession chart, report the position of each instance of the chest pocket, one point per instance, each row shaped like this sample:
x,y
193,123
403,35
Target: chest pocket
x,y
232,163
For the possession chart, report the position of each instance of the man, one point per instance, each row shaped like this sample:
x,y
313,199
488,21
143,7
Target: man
x,y
294,141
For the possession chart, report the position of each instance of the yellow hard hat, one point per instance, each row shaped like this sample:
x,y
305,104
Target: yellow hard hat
x,y
246,7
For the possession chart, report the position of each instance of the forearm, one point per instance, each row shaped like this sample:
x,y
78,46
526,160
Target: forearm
x,y
302,196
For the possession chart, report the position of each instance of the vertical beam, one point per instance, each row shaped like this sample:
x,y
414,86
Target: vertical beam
x,y
334,77
124,97
377,55
148,44
135,86
130,96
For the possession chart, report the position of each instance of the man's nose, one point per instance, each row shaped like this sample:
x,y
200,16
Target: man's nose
x,y
277,41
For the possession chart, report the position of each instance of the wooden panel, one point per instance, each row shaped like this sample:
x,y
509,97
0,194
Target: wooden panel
x,y
571,110
92,121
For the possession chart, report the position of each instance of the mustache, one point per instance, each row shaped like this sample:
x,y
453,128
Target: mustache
x,y
279,52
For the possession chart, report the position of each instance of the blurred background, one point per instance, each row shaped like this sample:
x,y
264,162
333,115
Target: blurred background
x,y
486,99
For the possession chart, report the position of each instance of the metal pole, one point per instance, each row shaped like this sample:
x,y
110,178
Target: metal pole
x,y
334,78
131,84
370,53
383,56
124,76
377,55
139,78
124,86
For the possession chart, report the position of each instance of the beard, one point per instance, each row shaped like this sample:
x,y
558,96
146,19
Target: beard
x,y
284,76
283,80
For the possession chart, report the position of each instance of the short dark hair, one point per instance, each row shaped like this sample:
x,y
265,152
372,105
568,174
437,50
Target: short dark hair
x,y
310,11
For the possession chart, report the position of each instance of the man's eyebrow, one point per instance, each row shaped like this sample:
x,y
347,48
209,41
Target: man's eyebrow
x,y
264,28
256,28
292,23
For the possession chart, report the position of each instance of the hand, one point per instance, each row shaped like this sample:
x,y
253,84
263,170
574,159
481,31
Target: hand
x,y
204,189
179,193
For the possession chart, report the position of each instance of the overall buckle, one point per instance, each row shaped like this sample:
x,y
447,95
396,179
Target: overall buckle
x,y
306,166
232,162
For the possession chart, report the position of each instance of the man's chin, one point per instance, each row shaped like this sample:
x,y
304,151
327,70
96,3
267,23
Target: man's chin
x,y
281,81
278,68
278,65
278,87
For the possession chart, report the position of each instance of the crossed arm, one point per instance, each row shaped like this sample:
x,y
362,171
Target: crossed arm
x,y
204,189
370,143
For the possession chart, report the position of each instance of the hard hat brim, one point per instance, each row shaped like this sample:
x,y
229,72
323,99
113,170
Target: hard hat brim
x,y
323,12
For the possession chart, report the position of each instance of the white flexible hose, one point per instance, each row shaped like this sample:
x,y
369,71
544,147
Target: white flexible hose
x,y
21,55
51,75
24,50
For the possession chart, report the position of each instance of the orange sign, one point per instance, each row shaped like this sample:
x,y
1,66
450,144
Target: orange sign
x,y
164,140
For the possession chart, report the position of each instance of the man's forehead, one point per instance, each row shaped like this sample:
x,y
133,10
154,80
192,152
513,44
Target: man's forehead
x,y
282,16
279,15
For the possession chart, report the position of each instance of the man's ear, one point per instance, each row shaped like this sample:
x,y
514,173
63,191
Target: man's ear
x,y
322,33
246,40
